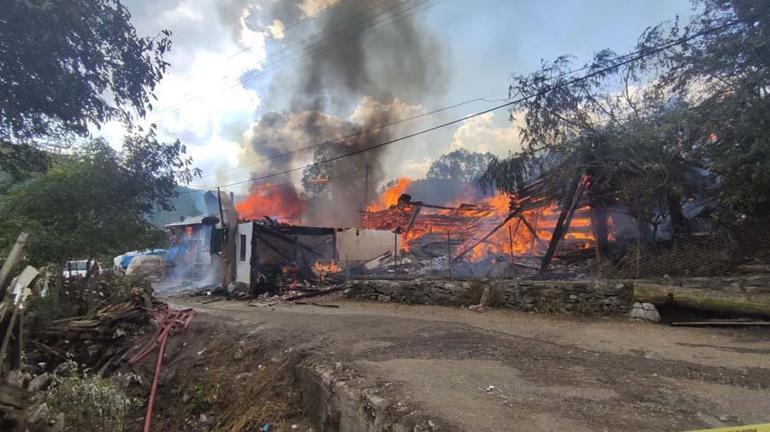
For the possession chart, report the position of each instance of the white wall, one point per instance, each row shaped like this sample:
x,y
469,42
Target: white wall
x,y
357,245
242,268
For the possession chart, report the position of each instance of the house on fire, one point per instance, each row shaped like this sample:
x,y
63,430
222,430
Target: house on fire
x,y
264,249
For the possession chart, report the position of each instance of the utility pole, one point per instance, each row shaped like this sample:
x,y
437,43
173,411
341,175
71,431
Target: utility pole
x,y
366,187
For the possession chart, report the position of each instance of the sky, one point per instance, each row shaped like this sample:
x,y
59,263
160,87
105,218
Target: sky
x,y
233,62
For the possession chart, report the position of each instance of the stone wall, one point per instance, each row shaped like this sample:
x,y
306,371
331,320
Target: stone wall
x,y
582,297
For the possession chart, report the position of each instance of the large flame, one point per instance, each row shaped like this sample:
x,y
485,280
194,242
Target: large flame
x,y
462,225
389,197
280,201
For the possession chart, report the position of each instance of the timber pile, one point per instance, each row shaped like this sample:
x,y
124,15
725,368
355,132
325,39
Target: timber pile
x,y
107,323
417,216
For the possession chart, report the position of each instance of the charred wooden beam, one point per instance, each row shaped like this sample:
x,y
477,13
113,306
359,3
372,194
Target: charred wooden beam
x,y
500,225
569,203
532,231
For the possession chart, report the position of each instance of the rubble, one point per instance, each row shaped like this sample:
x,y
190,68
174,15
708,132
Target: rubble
x,y
644,311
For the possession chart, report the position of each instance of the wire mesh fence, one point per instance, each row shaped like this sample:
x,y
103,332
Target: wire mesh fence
x,y
713,253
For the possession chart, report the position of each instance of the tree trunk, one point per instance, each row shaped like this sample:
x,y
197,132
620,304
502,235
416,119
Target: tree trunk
x,y
678,221
709,299
599,224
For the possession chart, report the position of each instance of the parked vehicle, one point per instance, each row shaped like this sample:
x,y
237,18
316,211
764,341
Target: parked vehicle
x,y
78,269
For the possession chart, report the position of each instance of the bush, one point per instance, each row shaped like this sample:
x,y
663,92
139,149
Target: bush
x,y
90,403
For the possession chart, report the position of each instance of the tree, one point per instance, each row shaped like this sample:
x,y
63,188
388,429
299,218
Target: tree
x,y
96,202
642,129
461,165
67,64
725,76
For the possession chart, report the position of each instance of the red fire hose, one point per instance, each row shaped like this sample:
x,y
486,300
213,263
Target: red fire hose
x,y
169,321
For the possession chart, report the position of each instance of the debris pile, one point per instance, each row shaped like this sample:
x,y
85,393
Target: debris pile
x,y
93,339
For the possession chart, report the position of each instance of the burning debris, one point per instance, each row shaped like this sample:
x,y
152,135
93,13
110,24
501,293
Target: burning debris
x,y
475,231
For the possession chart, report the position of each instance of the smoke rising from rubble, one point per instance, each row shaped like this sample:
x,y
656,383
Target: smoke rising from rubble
x,y
380,75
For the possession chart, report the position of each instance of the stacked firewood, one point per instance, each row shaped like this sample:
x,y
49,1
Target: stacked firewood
x,y
107,323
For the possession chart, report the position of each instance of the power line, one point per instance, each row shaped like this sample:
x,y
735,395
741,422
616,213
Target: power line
x,y
285,28
642,54
304,53
385,125
276,56
351,135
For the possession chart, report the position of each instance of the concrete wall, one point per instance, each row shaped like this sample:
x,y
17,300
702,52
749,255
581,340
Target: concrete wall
x,y
582,297
357,245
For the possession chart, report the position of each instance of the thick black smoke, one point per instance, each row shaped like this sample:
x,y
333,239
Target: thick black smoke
x,y
371,55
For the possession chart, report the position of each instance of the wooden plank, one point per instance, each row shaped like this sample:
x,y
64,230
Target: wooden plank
x,y
720,323
14,257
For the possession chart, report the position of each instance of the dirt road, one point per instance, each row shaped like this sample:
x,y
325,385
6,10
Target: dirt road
x,y
505,371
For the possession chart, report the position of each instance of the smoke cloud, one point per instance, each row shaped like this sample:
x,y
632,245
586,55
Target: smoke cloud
x,y
378,70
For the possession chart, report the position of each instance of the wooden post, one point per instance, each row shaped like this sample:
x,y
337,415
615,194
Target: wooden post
x,y
638,248
569,203
7,335
512,234
395,251
14,257
449,253
222,219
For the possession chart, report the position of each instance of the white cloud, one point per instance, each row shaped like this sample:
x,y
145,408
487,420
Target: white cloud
x,y
277,29
311,8
480,134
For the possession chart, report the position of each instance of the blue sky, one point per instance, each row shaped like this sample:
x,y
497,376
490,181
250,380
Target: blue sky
x,y
479,44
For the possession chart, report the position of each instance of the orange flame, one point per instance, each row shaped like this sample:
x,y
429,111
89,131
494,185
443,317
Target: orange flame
x,y
389,197
463,225
275,200
321,270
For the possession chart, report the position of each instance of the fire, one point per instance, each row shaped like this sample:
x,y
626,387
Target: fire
x,y
390,196
275,200
460,226
321,270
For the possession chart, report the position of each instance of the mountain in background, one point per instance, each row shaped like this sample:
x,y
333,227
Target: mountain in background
x,y
188,202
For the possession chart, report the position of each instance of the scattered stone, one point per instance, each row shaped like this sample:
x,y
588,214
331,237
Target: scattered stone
x,y
491,388
40,413
204,419
644,311
239,354
40,382
57,424
724,418
477,308
17,378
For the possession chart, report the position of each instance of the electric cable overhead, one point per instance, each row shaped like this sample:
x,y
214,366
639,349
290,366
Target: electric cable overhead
x,y
640,55
306,52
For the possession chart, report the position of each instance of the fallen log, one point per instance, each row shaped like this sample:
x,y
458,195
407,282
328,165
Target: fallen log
x,y
707,299
720,323
314,294
752,268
